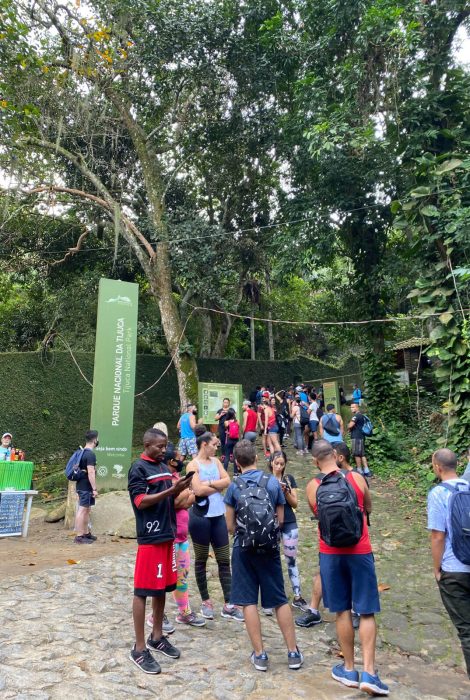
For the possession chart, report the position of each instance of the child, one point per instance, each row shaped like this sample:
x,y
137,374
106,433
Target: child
x,y
152,492
255,570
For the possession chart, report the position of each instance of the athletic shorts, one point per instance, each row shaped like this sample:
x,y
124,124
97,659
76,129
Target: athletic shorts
x,y
313,425
85,499
253,572
349,583
357,447
155,570
187,446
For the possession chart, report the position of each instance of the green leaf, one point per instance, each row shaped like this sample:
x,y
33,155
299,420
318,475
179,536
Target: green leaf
x,y
408,205
437,333
414,293
443,372
446,317
421,192
395,206
448,165
429,210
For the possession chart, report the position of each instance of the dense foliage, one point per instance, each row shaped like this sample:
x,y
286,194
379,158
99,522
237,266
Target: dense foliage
x,y
287,160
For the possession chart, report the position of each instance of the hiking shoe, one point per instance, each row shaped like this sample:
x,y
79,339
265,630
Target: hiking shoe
x,y
268,611
167,626
259,662
91,537
207,610
82,539
300,603
164,647
295,659
145,661
348,678
356,618
190,619
309,619
373,685
232,613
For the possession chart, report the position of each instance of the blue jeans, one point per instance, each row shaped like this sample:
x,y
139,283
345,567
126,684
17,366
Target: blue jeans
x,y
299,443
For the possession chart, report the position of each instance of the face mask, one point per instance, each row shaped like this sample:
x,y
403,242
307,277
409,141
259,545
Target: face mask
x,y
195,412
97,443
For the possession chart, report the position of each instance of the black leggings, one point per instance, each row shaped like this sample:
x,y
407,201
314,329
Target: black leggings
x,y
205,532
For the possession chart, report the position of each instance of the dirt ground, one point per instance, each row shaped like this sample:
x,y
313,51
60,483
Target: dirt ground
x,y
48,545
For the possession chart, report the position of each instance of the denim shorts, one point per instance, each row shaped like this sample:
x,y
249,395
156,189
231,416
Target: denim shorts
x,y
313,425
85,499
349,582
253,572
273,429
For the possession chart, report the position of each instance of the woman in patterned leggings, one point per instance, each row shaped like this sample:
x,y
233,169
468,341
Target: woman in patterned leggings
x,y
290,531
207,524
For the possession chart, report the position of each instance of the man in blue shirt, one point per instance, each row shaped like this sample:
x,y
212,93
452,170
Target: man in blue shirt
x,y
5,447
452,576
254,570
357,394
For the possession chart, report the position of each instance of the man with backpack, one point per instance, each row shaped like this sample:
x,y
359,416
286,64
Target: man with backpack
x,y
254,514
358,426
341,502
331,425
86,489
449,524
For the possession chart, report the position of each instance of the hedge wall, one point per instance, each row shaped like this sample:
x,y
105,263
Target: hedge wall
x,y
47,405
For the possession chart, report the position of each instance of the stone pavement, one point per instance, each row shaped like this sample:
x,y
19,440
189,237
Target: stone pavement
x,y
68,631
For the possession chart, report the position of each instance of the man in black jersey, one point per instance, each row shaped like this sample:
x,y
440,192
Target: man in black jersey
x,y
153,493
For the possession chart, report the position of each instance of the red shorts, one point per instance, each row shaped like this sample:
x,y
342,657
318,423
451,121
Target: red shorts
x,y
155,570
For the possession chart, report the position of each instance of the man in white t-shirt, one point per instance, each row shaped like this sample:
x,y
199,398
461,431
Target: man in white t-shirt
x,y
452,576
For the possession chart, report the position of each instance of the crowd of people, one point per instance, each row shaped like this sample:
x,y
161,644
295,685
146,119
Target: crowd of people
x,y
257,507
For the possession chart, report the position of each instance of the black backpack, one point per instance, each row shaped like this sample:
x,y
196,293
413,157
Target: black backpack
x,y
257,527
304,416
340,519
332,427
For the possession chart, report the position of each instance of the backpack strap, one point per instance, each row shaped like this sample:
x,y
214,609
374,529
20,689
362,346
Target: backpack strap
x,y
263,482
453,489
241,483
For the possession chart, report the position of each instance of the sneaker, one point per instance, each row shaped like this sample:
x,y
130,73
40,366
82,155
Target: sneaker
x,y
373,685
207,610
300,603
356,618
82,539
295,659
308,619
190,619
300,453
145,661
167,626
91,537
267,455
348,678
259,662
233,613
268,611
164,647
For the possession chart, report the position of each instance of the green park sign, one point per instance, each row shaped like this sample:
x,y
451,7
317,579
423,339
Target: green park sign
x,y
211,397
112,408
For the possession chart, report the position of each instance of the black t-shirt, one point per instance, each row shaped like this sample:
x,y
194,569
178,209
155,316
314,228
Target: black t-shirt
x,y
289,515
356,431
88,459
157,523
222,420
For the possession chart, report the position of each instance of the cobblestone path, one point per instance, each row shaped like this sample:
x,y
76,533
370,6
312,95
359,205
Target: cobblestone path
x,y
67,631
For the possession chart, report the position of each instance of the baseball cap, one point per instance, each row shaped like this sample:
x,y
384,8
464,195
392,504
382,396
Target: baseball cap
x,y
266,394
298,388
246,402
7,435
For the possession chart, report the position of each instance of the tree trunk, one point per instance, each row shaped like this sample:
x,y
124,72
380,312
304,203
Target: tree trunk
x,y
185,364
270,325
252,334
222,337
206,339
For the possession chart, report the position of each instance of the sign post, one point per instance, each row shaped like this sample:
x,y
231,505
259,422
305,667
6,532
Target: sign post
x,y
211,397
331,395
112,407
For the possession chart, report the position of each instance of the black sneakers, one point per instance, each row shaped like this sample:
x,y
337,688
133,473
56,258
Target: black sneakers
x,y
308,619
145,661
164,647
